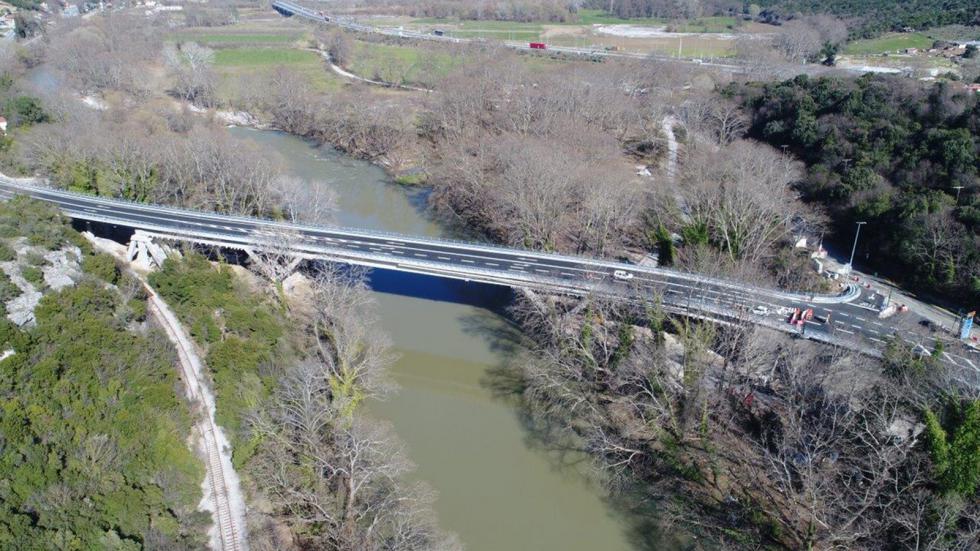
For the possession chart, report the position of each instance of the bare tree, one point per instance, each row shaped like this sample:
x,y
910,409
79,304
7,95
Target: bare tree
x,y
722,120
337,44
742,195
341,475
192,68
352,351
304,201
798,42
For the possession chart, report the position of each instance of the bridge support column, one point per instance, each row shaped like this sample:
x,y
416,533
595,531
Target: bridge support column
x,y
277,265
145,253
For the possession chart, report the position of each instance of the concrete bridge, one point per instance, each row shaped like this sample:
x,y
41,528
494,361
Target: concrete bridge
x,y
847,319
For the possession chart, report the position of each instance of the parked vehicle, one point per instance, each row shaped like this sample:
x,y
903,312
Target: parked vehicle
x,y
439,32
622,275
760,311
795,316
537,45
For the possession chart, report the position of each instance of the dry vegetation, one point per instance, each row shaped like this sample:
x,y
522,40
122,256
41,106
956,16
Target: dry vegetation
x,y
754,440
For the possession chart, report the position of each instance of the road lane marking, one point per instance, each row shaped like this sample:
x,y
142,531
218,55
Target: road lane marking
x,y
443,257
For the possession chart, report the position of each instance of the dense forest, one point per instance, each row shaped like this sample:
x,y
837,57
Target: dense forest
x,y
888,151
877,16
93,451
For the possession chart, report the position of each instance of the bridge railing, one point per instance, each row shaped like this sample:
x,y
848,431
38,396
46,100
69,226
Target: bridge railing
x,y
848,295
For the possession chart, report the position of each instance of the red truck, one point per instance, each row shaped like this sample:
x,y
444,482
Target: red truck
x,y
537,45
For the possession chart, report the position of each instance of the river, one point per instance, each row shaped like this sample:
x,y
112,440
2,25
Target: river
x,y
498,487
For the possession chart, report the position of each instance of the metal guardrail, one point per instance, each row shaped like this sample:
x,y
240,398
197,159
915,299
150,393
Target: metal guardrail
x,y
851,293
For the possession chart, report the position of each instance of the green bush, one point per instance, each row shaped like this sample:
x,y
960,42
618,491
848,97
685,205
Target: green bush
x,y
138,307
41,223
35,258
121,454
25,111
33,275
102,266
955,448
241,330
8,291
6,252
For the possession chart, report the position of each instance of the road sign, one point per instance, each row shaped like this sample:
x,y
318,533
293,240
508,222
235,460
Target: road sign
x,y
966,325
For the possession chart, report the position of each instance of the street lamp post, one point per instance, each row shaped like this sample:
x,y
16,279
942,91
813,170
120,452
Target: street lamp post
x,y
850,263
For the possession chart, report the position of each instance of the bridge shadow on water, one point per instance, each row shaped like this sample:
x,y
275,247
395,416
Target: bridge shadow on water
x,y
490,297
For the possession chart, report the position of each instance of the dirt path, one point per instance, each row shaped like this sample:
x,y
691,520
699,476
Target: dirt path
x,y
351,76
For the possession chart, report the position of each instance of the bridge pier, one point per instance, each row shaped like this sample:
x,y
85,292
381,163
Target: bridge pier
x,y
146,254
277,265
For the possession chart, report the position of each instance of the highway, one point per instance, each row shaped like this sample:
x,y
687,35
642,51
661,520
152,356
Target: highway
x,y
847,319
291,8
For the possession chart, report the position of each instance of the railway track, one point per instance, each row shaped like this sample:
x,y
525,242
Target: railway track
x,y
227,521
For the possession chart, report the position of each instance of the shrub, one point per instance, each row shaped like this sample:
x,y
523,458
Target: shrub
x,y
6,253
33,275
8,291
138,307
35,259
102,266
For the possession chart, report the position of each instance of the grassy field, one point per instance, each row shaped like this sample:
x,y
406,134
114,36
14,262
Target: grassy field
x,y
400,64
257,57
229,39
600,17
699,25
238,65
888,43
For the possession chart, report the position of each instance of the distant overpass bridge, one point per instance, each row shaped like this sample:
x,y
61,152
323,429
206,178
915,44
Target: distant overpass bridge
x,y
850,323
288,9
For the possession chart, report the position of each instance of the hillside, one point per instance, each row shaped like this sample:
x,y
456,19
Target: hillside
x,y
878,16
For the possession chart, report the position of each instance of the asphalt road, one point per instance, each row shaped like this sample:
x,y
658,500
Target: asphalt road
x,y
847,319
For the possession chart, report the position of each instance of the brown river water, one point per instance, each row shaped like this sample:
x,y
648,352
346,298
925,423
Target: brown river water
x,y
499,487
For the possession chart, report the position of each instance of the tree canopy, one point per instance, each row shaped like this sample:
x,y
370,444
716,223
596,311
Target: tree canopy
x,y
895,154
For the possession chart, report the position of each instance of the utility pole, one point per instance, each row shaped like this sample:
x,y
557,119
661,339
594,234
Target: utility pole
x,y
850,263
958,190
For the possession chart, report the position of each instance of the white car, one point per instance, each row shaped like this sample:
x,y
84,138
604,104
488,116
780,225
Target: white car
x,y
622,275
760,311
